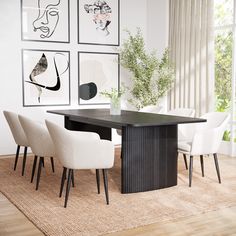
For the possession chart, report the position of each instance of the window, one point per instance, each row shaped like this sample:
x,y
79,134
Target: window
x,y
224,19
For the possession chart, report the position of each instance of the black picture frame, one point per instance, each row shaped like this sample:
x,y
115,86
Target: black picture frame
x,y
56,90
105,75
36,26
87,30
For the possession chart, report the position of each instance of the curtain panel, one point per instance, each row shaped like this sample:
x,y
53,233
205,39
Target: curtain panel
x,y
191,44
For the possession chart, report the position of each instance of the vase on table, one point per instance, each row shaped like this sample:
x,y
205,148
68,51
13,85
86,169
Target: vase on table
x,y
115,106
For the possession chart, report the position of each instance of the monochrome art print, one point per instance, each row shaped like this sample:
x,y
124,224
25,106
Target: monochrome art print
x,y
98,22
46,77
97,72
45,20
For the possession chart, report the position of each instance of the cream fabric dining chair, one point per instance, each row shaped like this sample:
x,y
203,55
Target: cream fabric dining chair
x,y
187,112
18,135
152,109
81,150
206,140
184,130
40,142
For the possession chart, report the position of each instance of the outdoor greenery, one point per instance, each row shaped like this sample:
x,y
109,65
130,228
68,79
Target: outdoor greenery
x,y
151,78
223,70
223,58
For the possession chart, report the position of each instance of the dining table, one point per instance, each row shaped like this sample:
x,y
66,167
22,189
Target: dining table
x,y
148,143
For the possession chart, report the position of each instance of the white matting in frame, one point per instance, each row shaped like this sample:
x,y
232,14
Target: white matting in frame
x,y
45,20
97,72
45,77
99,22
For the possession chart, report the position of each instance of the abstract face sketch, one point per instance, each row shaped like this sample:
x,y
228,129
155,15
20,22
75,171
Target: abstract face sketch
x,y
101,16
48,17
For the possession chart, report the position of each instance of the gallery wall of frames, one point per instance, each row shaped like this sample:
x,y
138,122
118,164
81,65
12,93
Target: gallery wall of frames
x,y
60,54
46,73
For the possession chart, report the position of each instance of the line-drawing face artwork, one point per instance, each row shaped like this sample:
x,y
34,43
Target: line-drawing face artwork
x,y
101,16
48,17
40,68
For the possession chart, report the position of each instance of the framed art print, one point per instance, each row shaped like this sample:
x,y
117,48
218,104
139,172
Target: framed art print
x,y
45,20
45,77
99,22
98,71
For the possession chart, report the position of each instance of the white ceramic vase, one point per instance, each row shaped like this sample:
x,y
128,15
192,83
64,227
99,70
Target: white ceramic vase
x,y
115,106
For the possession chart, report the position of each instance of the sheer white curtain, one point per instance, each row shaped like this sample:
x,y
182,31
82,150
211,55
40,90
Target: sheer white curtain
x,y
191,42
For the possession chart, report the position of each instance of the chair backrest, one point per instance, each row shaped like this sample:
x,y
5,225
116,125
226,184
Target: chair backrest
x,y
152,109
208,136
16,128
184,130
62,143
188,112
38,137
81,150
215,119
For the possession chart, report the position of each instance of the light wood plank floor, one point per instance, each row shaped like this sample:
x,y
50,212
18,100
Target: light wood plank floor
x,y
13,222
218,223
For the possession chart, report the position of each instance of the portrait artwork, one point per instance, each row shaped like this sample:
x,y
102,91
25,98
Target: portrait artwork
x,y
98,22
45,20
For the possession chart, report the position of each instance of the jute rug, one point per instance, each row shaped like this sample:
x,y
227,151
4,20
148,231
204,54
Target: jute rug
x,y
87,213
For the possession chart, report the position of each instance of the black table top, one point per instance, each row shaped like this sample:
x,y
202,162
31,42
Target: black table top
x,y
102,117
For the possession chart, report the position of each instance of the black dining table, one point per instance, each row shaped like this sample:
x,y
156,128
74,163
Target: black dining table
x,y
148,148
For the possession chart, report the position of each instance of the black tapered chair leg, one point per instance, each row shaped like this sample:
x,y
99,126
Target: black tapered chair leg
x,y
202,165
17,156
98,180
24,161
33,169
104,172
63,177
68,187
73,179
190,171
52,164
39,172
217,167
43,163
185,161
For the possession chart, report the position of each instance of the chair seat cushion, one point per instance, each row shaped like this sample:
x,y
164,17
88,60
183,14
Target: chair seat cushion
x,y
184,146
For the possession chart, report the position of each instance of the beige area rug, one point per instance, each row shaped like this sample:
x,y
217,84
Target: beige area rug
x,y
87,213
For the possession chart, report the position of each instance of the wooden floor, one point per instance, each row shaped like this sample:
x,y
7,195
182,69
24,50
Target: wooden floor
x,y
13,222
220,222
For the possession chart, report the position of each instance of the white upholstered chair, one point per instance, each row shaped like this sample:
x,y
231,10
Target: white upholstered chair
x,y
81,150
40,142
206,140
187,112
18,135
184,133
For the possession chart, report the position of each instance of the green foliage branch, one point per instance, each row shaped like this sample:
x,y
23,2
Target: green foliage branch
x,y
151,77
223,59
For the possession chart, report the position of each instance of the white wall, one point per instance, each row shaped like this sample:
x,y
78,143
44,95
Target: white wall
x,y
134,13
157,31
157,25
